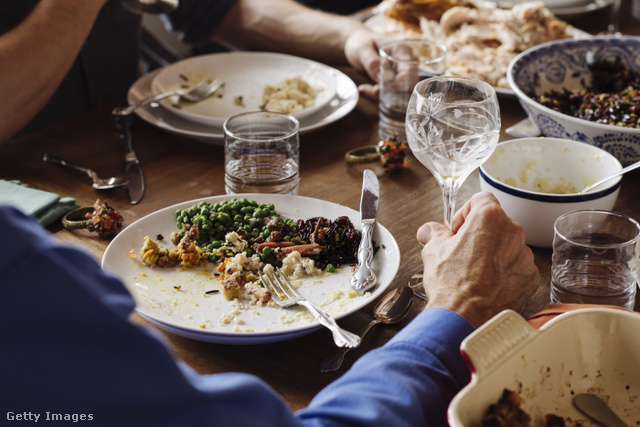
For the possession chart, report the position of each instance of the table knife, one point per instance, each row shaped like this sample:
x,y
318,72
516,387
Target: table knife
x,y
132,170
363,278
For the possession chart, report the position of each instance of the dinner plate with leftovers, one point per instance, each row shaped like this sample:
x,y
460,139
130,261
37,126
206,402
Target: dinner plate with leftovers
x,y
344,101
193,268
481,37
252,81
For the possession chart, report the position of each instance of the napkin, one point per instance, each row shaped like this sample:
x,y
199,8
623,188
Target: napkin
x,y
553,310
46,207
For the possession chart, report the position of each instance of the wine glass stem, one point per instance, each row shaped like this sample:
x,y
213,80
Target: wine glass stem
x,y
449,201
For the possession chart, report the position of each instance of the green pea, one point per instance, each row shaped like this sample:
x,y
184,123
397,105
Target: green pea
x,y
330,268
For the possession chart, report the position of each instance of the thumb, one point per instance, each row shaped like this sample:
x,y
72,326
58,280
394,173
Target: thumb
x,y
430,230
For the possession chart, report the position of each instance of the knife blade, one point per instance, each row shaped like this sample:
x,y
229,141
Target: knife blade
x,y
132,169
363,278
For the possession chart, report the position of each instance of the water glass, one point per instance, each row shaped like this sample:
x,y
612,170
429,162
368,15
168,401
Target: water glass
x,y
404,63
261,152
595,259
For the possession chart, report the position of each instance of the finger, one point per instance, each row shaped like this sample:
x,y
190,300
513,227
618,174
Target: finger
x,y
430,230
477,200
370,91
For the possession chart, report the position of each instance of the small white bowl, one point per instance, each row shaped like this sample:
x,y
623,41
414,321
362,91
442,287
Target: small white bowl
x,y
565,64
587,350
521,173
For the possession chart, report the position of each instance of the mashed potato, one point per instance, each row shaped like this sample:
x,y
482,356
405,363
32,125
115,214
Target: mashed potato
x,y
291,96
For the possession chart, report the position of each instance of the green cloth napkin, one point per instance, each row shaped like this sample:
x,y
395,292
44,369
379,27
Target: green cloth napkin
x,y
46,207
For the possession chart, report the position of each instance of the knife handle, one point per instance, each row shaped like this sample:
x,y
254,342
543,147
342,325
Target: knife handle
x,y
363,277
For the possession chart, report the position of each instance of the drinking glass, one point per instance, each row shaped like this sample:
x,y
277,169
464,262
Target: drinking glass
x,y
452,127
403,63
261,153
595,259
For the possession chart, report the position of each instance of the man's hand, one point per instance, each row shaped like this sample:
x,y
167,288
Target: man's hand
x,y
481,267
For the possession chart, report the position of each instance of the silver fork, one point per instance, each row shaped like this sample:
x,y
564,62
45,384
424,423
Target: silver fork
x,y
278,284
202,90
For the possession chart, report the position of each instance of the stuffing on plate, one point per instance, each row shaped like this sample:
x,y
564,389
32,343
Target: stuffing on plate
x,y
290,96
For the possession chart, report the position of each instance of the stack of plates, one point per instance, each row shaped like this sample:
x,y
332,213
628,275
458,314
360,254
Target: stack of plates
x,y
245,75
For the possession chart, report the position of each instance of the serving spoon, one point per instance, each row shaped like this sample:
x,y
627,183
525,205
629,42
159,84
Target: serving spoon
x,y
392,308
98,183
631,167
594,407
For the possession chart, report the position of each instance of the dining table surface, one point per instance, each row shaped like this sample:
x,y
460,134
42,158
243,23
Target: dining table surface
x,y
179,169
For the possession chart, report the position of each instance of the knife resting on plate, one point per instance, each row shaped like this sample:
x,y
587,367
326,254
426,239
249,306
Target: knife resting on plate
x,y
132,170
363,278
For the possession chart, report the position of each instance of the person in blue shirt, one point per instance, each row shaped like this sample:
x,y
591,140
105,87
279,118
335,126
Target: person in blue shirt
x,y
68,349
59,58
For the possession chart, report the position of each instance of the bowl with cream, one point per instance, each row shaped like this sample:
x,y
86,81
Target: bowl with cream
x,y
538,179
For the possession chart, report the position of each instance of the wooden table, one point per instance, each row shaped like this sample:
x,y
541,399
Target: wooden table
x,y
179,169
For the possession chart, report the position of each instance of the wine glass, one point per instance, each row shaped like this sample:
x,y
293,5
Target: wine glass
x,y
452,127
150,6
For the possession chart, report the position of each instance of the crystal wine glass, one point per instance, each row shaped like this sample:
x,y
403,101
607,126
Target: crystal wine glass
x,y
150,6
452,126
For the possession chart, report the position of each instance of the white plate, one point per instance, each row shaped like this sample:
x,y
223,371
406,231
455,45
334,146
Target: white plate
x,y
245,75
344,101
183,311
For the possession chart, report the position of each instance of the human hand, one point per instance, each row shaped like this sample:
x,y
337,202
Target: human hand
x,y
481,267
362,52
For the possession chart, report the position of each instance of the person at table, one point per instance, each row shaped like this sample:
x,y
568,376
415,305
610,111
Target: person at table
x,y
59,58
68,347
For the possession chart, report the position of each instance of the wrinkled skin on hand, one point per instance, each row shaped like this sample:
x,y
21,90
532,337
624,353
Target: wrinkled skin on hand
x,y
481,267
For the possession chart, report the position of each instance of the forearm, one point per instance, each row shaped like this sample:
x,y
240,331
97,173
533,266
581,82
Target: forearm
x,y
37,54
260,25
409,381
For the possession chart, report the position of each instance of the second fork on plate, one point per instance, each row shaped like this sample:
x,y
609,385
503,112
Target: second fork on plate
x,y
285,295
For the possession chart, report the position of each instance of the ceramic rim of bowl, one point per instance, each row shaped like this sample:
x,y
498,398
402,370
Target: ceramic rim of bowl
x,y
549,197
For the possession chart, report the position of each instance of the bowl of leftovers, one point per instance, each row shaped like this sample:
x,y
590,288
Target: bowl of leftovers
x,y
533,374
538,179
586,90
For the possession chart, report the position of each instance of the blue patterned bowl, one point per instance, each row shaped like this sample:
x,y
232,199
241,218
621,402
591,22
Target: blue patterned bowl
x,y
563,64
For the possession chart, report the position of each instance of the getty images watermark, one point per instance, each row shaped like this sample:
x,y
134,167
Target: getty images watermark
x,y
47,416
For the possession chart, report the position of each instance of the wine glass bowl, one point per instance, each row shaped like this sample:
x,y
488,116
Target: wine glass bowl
x,y
452,127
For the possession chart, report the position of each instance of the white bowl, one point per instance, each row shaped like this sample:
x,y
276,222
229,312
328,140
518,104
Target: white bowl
x,y
563,64
521,172
588,350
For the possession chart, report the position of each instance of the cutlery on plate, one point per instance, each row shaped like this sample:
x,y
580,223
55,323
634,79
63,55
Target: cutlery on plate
x,y
392,308
523,129
631,167
285,295
132,169
363,278
98,183
201,91
594,407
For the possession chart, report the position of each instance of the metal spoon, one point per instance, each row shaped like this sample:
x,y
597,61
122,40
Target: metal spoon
x,y
98,183
392,308
592,406
631,167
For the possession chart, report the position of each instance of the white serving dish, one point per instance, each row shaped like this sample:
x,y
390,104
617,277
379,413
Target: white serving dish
x,y
588,350
516,166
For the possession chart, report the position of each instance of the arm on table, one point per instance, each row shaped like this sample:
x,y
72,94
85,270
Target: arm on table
x,y
36,55
69,348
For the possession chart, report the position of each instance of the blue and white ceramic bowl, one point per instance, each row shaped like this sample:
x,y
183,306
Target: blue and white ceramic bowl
x,y
563,64
524,173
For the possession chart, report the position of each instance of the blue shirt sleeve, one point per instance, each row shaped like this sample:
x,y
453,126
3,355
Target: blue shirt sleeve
x,y
69,350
